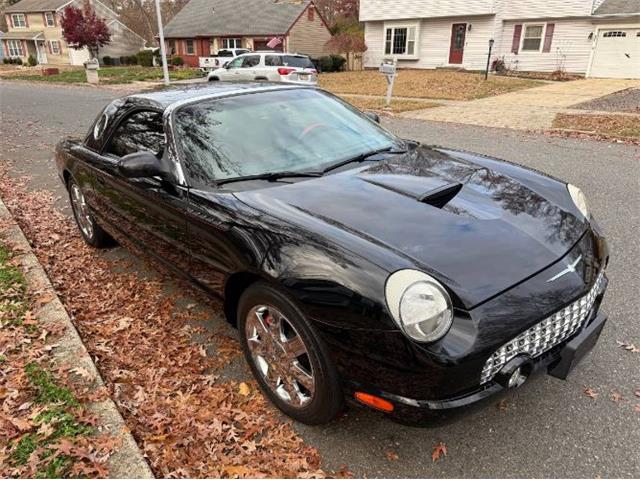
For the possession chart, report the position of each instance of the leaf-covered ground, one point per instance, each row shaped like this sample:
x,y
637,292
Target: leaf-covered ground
x,y
45,429
622,127
436,84
379,105
189,421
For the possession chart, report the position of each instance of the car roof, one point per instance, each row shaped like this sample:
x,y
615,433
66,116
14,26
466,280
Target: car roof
x,y
181,94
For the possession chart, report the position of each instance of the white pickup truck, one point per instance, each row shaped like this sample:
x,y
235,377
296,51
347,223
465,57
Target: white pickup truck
x,y
208,64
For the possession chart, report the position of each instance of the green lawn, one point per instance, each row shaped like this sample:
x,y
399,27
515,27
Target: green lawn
x,y
110,75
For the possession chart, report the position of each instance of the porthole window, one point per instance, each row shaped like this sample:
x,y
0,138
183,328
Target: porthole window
x,y
615,34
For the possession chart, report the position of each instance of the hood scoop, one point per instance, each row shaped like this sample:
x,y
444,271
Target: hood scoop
x,y
432,190
441,196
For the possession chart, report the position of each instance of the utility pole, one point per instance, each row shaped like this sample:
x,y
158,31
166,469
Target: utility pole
x,y
163,50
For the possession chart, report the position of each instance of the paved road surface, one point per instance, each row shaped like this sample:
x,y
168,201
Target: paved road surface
x,y
550,427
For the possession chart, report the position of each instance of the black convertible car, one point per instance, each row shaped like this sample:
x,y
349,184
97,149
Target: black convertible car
x,y
355,264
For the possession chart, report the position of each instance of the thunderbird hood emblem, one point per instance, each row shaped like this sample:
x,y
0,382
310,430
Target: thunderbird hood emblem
x,y
570,269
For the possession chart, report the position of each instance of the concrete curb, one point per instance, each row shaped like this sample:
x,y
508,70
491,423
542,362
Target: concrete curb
x,y
128,461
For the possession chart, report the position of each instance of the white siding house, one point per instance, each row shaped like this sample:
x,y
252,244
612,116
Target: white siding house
x,y
589,37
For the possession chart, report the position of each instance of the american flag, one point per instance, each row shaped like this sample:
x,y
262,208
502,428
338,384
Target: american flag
x,y
274,42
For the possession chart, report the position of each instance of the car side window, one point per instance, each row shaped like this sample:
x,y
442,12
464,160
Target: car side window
x,y
140,131
236,62
273,60
251,61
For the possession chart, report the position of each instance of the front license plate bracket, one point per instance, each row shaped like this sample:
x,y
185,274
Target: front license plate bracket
x,y
577,349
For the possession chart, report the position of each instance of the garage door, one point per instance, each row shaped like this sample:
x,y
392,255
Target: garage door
x,y
617,54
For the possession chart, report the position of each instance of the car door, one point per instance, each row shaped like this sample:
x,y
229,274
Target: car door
x,y
146,211
249,68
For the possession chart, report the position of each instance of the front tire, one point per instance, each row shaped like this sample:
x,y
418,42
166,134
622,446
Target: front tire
x,y
287,357
91,232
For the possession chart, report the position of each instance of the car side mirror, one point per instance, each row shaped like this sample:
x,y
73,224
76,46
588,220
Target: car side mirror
x,y
141,165
373,116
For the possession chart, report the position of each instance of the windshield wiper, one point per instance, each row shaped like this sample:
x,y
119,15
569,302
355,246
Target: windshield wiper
x,y
270,177
366,156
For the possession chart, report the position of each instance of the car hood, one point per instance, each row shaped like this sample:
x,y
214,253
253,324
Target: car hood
x,y
477,230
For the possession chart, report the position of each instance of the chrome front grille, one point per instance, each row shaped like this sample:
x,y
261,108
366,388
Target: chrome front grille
x,y
545,335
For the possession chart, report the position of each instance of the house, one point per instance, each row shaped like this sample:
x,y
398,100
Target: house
x,y
597,38
34,29
203,27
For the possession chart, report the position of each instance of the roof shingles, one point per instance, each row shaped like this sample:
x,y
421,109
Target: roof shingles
x,y
36,6
618,7
240,17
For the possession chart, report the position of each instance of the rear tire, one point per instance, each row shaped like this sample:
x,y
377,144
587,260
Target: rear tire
x,y
91,232
214,79
287,357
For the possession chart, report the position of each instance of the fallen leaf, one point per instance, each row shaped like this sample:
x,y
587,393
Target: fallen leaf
x,y
236,470
243,389
590,392
616,397
502,405
20,424
439,450
637,392
391,456
637,408
629,347
84,373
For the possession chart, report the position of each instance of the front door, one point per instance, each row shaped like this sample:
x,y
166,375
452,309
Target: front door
x,y
458,36
145,211
41,49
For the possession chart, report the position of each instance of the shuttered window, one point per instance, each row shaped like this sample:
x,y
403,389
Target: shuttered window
x,y
15,48
533,35
49,19
18,20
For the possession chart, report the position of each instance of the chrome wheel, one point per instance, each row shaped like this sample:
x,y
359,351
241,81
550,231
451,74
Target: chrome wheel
x,y
81,211
280,355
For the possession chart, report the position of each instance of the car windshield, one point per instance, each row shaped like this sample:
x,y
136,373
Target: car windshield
x,y
296,130
297,61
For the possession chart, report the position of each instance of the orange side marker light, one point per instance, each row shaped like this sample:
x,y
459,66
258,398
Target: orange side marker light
x,y
374,402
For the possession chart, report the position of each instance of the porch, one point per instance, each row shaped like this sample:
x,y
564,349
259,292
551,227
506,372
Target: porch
x,y
24,44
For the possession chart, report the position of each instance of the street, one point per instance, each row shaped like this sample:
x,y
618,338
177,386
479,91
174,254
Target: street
x,y
547,428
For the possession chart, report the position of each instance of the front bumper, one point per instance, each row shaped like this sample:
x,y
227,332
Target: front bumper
x,y
558,362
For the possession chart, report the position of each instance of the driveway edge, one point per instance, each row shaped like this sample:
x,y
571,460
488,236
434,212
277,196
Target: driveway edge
x,y
128,460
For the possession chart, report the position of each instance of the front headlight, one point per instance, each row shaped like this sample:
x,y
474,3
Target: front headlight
x,y
579,200
419,304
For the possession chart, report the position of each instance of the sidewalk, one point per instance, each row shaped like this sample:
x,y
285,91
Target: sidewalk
x,y
532,109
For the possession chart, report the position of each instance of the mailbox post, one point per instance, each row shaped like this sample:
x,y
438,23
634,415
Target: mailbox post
x,y
389,69
91,68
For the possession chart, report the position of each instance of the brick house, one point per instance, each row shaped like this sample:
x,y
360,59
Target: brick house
x,y
203,27
34,29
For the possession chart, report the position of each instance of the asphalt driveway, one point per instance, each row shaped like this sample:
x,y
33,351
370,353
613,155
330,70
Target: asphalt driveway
x,y
548,428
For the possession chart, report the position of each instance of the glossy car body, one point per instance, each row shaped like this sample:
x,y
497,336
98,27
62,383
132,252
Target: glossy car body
x,y
330,243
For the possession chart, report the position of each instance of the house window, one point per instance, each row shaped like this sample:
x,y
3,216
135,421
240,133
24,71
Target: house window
x,y
49,20
15,48
532,40
18,20
311,14
615,34
189,46
55,47
400,41
231,43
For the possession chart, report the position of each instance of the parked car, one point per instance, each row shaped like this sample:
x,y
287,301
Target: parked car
x,y
412,279
268,66
208,64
